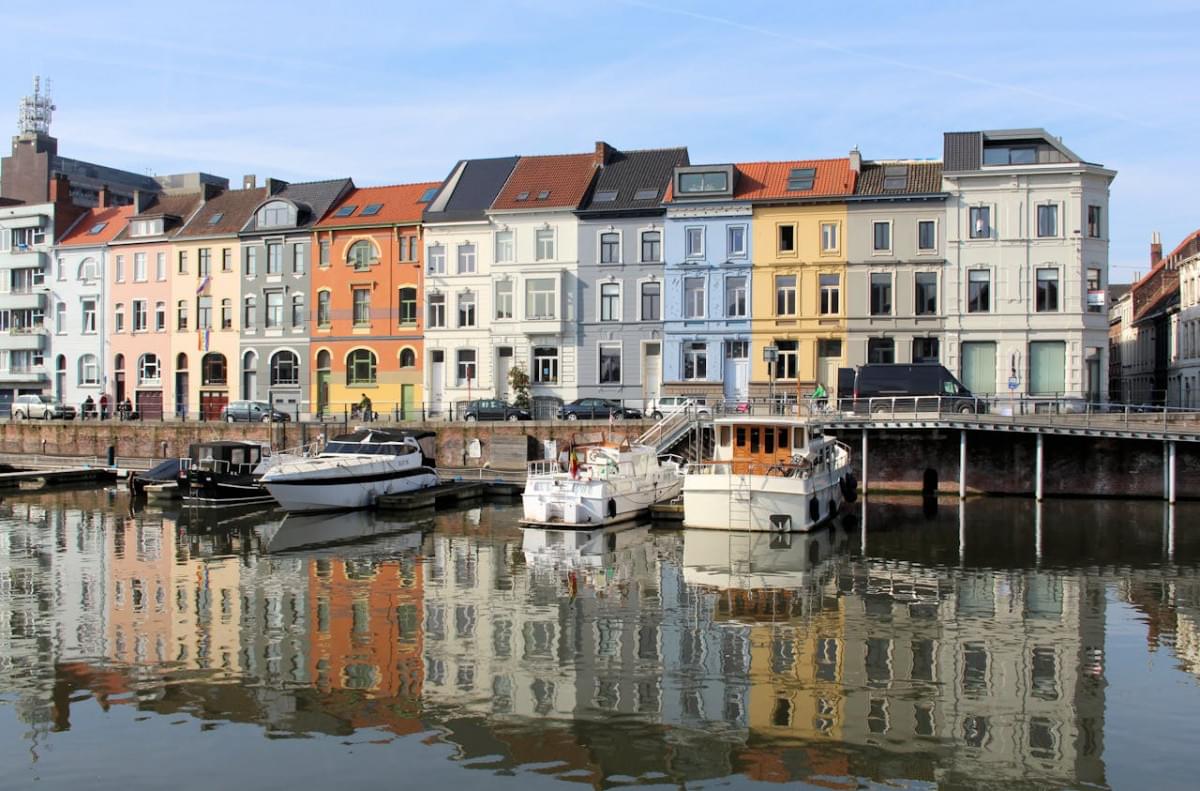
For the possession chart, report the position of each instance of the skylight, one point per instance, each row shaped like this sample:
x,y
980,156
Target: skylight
x,y
522,196
605,196
543,195
645,194
895,177
371,209
800,179
97,228
346,210
216,218
428,194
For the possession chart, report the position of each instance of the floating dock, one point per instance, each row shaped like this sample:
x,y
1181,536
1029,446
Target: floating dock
x,y
37,479
448,493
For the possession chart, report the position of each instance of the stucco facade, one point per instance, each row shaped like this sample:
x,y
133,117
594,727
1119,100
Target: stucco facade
x,y
1183,382
895,278
1026,242
276,277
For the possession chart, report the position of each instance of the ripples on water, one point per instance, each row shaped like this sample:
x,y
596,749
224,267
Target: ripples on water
x,y
1000,644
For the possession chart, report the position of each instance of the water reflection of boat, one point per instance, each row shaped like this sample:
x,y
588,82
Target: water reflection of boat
x,y
756,559
580,549
313,530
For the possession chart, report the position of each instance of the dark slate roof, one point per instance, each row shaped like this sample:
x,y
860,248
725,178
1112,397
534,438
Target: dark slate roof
x,y
923,178
235,208
963,151
469,190
313,198
176,207
627,172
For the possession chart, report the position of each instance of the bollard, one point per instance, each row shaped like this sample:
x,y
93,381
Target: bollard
x,y
112,455
164,448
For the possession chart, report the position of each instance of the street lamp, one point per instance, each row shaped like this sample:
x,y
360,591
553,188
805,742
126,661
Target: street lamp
x,y
771,356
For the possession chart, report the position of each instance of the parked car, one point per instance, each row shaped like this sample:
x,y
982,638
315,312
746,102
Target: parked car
x,y
902,387
670,404
253,412
596,408
494,409
40,407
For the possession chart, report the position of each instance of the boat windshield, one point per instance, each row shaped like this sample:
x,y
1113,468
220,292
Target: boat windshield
x,y
369,448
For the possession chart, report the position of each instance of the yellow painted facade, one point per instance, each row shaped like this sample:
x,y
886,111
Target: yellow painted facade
x,y
223,288
794,245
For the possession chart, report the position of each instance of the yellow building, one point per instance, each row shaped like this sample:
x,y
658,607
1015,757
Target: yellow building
x,y
799,274
204,314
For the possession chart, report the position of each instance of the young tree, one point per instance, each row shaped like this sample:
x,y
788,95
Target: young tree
x,y
518,381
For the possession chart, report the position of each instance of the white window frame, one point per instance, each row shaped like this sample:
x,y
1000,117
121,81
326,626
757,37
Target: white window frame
x,y
512,299
821,291
1058,220
620,347
620,312
512,246
435,259
86,314
730,252
555,300
536,374
745,293
538,237
600,246
473,376
991,281
145,315
464,256
891,237
466,297
687,242
429,313
936,229
795,289
687,349
991,231
703,298
141,271
1058,282
661,287
836,247
891,275
641,233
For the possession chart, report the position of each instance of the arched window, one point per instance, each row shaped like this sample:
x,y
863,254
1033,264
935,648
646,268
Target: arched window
x,y
361,254
89,370
275,214
323,315
181,317
181,362
250,376
324,360
212,369
360,367
249,312
227,314
119,363
160,317
88,270
149,372
408,358
285,368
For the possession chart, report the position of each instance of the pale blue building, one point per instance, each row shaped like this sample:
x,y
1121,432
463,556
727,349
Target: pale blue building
x,y
707,284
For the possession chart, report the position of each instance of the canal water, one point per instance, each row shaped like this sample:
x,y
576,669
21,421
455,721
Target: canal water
x,y
997,644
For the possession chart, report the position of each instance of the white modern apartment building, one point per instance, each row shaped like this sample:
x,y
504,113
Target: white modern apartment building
x,y
1026,265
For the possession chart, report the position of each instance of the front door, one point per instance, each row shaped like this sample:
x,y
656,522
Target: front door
x,y
150,404
437,374
651,372
408,402
211,404
504,361
181,395
736,371
119,386
322,391
829,359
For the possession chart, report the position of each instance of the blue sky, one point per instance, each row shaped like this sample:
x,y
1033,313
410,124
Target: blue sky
x,y
393,92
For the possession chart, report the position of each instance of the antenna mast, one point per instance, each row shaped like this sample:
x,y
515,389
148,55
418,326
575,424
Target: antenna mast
x,y
33,113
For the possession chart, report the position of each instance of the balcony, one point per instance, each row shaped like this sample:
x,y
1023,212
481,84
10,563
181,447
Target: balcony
x,y
23,340
24,259
28,299
24,375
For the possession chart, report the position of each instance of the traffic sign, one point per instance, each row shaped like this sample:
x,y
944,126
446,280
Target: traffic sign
x,y
1013,383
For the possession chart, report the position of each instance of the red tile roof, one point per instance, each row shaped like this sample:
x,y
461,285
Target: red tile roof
x,y
114,219
566,177
399,205
768,180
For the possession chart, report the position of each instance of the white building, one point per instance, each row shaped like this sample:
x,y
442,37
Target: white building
x,y
1183,380
1027,265
79,320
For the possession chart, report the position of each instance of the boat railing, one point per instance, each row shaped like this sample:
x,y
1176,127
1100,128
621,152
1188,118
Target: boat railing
x,y
672,457
219,466
796,468
543,467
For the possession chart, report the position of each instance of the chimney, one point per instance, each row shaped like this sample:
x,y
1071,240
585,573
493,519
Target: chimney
x,y
275,186
249,182
103,199
142,200
1155,248
603,154
856,160
60,188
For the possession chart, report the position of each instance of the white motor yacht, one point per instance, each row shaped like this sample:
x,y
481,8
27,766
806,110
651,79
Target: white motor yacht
x,y
604,481
768,473
355,469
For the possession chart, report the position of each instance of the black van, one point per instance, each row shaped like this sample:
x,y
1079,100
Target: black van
x,y
893,385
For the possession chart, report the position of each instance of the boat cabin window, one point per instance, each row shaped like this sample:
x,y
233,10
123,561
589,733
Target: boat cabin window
x,y
741,436
754,432
798,438
783,439
237,456
769,440
725,434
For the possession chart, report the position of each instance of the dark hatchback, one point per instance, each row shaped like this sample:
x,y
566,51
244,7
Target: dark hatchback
x,y
494,409
595,409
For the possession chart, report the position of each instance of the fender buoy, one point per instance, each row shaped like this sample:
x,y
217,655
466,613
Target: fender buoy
x,y
612,508
814,510
849,487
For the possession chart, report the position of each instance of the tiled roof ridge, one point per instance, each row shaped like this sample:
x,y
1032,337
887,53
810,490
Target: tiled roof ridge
x,y
290,184
396,186
1179,247
779,161
575,155
902,161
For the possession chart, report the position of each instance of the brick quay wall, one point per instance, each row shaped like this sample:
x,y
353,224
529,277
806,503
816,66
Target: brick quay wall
x,y
1000,463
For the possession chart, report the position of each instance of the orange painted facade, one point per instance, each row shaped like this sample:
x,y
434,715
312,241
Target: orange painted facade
x,y
368,308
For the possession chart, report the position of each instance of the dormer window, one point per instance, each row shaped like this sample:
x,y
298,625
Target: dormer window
x,y
146,227
700,182
276,214
801,179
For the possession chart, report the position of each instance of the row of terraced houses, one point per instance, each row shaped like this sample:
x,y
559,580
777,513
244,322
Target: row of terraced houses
x,y
624,274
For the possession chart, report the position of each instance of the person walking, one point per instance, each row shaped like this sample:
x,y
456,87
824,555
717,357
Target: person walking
x,y
819,396
364,408
104,406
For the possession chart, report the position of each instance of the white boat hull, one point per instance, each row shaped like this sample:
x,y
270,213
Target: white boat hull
x,y
731,501
323,484
560,501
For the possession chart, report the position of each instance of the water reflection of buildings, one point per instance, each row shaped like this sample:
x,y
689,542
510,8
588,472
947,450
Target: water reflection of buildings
x,y
1170,605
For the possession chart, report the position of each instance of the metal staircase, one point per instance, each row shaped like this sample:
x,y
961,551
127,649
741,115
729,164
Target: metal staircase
x,y
664,435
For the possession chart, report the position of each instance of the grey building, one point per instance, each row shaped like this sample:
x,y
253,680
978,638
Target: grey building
x,y
276,266
896,256
621,275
